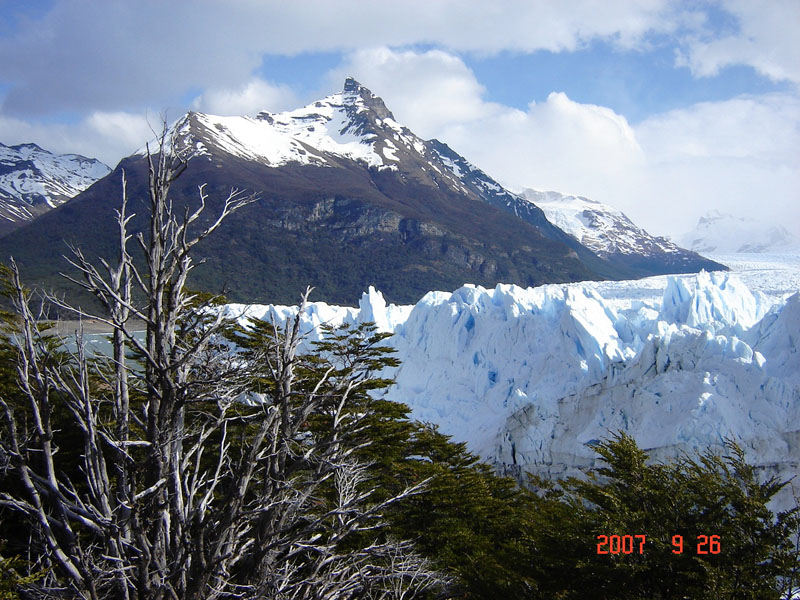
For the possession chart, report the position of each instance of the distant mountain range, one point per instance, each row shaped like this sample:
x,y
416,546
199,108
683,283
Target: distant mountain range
x,y
33,180
724,233
348,198
610,234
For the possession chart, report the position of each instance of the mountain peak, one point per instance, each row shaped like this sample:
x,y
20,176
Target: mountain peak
x,y
608,232
353,86
354,93
30,146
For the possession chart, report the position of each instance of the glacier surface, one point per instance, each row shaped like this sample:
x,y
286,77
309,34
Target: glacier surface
x,y
530,378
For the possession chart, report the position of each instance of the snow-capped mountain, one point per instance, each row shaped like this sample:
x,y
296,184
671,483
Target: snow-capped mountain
x,y
34,180
530,378
344,125
356,125
349,197
609,232
723,233
353,125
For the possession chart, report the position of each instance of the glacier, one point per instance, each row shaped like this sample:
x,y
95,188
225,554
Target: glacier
x,y
530,378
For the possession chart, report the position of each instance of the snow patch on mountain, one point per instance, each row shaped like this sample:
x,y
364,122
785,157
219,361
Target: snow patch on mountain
x,y
725,233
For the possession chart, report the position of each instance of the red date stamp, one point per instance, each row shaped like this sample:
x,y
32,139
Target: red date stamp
x,y
634,544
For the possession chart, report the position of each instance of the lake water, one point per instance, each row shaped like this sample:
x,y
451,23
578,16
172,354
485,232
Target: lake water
x,y
96,343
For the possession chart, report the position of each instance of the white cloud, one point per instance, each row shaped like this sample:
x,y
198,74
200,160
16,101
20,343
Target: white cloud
x,y
758,128
119,55
558,144
739,156
106,61
116,55
767,40
251,98
119,129
429,89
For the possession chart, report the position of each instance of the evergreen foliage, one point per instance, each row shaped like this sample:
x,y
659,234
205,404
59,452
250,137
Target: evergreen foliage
x,y
710,495
10,579
207,470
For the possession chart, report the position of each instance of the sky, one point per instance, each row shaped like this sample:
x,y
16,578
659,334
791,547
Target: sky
x,y
664,109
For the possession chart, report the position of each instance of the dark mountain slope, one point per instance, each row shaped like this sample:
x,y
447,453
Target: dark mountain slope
x,y
336,229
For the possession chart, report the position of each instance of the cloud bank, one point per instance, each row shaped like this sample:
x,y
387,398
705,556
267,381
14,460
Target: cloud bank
x,y
85,76
117,54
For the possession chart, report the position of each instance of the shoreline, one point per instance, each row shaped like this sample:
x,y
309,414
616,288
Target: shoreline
x,y
90,326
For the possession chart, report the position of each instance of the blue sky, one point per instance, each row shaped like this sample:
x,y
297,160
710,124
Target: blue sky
x,y
664,109
635,84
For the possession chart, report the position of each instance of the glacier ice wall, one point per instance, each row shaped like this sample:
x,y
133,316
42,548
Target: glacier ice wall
x,y
529,378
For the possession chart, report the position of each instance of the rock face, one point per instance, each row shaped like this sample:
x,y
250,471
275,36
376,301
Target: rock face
x,y
348,198
612,235
33,181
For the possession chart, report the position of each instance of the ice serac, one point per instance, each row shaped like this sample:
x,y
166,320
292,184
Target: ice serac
x,y
719,302
473,357
34,180
715,365
372,308
777,336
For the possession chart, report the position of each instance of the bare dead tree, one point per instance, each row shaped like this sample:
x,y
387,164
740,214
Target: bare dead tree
x,y
188,483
